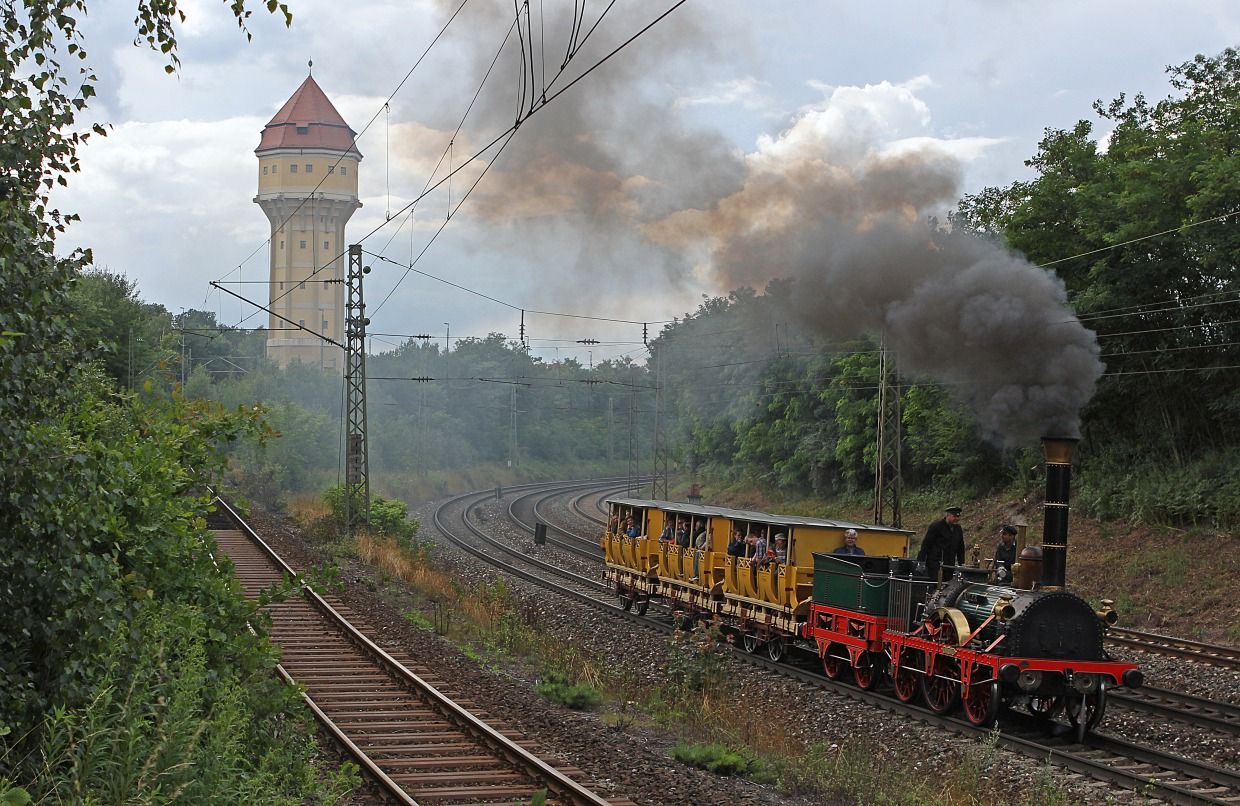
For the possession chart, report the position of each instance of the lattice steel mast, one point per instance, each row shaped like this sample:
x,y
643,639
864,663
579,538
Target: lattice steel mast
x,y
356,463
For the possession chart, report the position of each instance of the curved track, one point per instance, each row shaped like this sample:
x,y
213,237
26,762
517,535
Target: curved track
x,y
417,744
1175,779
1213,654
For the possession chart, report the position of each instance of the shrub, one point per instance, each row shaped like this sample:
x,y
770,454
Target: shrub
x,y
388,517
557,688
719,759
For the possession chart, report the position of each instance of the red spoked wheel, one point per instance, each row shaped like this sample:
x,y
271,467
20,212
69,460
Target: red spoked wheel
x,y
939,686
905,679
868,670
981,703
833,666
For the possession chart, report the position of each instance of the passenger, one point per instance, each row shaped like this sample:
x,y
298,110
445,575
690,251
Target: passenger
x,y
850,544
943,543
668,534
613,525
682,534
760,547
630,528
736,546
1005,553
702,541
781,549
751,545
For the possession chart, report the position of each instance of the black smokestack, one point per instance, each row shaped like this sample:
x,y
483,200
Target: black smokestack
x,y
1055,510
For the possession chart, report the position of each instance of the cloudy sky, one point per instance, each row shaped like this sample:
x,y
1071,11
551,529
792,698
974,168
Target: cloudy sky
x,y
629,196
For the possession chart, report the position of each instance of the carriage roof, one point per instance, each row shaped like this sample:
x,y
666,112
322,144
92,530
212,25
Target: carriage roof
x,y
748,515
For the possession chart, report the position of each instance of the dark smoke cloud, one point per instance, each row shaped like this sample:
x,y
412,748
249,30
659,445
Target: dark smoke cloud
x,y
824,204
956,309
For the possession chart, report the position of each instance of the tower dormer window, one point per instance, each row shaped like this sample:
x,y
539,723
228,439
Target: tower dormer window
x,y
303,129
292,168
344,170
331,169
309,167
264,170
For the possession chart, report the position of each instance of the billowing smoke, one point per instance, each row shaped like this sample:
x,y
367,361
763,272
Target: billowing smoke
x,y
854,236
838,203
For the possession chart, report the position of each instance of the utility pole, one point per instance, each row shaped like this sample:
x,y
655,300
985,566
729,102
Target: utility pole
x,y
633,464
888,479
658,481
356,473
512,427
611,415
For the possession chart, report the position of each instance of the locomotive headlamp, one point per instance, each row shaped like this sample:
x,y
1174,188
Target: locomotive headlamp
x,y
1084,683
1003,609
1106,614
1029,680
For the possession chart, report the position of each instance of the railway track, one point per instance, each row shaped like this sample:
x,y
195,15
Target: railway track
x,y
1186,708
416,744
1150,771
1213,654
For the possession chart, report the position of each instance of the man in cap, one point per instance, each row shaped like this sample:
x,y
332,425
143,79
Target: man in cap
x,y
943,543
850,544
1005,553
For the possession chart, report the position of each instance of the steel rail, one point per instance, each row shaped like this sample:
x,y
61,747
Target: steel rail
x,y
1213,654
1187,708
557,783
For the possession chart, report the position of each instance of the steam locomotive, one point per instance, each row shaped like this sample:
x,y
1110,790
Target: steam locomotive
x,y
965,641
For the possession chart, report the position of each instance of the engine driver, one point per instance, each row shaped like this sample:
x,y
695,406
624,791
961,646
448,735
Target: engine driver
x,y
943,544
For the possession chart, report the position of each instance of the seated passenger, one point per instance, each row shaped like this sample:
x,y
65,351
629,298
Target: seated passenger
x,y
682,534
736,546
761,548
850,544
781,549
666,535
630,528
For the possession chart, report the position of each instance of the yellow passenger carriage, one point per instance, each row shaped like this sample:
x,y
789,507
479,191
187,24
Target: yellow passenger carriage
x,y
763,599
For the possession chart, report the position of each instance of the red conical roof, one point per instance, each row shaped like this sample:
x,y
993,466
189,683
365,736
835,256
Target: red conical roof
x,y
308,120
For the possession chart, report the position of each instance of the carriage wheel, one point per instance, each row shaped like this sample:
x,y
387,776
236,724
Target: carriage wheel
x,y
868,671
750,642
981,703
832,666
626,601
906,683
941,693
775,649
643,605
1084,713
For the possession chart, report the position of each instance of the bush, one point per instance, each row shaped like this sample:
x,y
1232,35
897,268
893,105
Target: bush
x,y
557,688
388,517
719,759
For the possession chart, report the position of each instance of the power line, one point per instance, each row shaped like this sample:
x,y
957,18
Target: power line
x,y
1142,238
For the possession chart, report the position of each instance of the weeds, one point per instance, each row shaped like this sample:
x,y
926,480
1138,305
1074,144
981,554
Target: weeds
x,y
722,760
557,688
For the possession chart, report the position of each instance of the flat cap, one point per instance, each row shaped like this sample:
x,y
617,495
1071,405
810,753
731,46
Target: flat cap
x,y
1008,528
953,510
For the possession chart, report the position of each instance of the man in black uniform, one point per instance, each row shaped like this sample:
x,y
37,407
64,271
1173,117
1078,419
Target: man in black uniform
x,y
1005,553
943,543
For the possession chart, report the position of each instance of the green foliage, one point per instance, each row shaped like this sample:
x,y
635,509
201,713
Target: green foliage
x,y
1204,491
557,688
387,517
720,760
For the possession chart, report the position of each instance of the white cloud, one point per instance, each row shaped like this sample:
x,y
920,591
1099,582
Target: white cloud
x,y
747,92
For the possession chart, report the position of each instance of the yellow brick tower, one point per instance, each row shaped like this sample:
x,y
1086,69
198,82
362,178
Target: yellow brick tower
x,y
307,186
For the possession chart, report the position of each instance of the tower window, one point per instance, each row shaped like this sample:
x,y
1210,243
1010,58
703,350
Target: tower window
x,y
327,244
303,129
324,325
344,170
275,168
326,283
301,322
331,169
281,285
309,167
303,244
264,170
292,168
281,244
302,284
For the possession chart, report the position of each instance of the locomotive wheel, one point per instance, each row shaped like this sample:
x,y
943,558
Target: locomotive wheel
x,y
942,695
833,667
643,605
905,681
1084,713
1044,708
981,703
750,642
775,649
868,671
